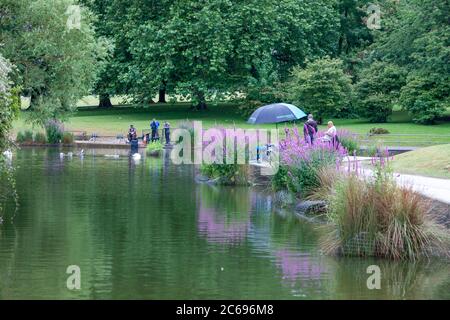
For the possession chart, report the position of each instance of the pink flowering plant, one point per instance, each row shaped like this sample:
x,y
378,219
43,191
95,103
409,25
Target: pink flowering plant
x,y
301,161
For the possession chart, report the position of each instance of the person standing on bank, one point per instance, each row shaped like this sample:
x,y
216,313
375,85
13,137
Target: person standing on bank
x,y
154,125
310,129
132,134
167,132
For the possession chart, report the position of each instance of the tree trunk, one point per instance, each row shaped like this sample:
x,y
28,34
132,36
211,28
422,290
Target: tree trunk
x,y
105,101
162,93
320,121
201,104
33,98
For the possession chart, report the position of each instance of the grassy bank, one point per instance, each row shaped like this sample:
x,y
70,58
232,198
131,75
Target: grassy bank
x,y
431,161
117,120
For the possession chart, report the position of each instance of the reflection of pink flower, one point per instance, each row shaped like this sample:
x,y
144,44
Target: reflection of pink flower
x,y
218,230
295,266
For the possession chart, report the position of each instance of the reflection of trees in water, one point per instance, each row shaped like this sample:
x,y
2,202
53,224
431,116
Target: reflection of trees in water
x,y
224,213
8,192
399,279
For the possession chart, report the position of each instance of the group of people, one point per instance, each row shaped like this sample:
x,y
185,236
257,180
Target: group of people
x,y
154,136
310,131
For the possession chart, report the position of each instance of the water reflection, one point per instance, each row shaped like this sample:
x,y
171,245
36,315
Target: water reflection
x,y
224,214
148,231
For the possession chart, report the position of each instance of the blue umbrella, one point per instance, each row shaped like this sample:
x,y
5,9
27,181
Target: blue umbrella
x,y
275,113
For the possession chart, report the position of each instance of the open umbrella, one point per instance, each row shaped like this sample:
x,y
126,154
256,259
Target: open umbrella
x,y
275,113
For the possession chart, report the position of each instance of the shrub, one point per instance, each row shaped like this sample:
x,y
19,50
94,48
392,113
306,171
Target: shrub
x,y
375,217
322,87
280,180
54,131
425,96
227,174
20,138
373,131
40,138
227,170
67,138
154,148
24,136
28,136
378,90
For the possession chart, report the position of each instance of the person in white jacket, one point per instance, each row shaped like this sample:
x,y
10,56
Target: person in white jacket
x,y
330,134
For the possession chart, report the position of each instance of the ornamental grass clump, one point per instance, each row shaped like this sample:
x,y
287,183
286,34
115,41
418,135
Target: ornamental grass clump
x,y
373,216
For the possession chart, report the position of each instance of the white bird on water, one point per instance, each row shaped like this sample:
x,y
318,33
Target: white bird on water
x,y
61,155
136,156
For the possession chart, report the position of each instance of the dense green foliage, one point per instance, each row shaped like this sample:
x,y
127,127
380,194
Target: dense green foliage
x,y
154,148
54,132
227,174
316,54
9,103
207,49
416,39
321,88
378,90
56,64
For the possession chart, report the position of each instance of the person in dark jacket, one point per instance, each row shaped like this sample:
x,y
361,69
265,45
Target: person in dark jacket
x,y
132,135
154,125
310,129
167,132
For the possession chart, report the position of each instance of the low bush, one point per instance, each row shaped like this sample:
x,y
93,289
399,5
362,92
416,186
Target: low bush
x,y
154,148
40,138
67,138
24,137
54,131
227,174
374,131
280,179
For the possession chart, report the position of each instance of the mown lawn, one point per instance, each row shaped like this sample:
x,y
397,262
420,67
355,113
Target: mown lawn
x,y
117,120
431,161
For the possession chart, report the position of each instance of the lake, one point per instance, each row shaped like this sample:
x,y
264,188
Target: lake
x,y
146,230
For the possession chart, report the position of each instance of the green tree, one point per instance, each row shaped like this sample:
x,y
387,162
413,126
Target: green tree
x,y
56,60
119,20
207,49
378,89
321,88
417,38
9,103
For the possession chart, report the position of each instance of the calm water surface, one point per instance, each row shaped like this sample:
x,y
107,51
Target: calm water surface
x,y
147,231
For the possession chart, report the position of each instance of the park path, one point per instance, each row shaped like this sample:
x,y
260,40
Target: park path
x,y
434,188
438,189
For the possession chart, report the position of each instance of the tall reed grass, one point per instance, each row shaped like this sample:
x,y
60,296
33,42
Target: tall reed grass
x,y
373,216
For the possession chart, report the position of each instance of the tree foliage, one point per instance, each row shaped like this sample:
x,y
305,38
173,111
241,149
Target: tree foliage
x,y
210,48
9,103
417,39
321,88
378,90
56,64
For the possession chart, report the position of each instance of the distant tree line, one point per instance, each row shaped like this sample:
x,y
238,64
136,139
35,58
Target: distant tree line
x,y
319,54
